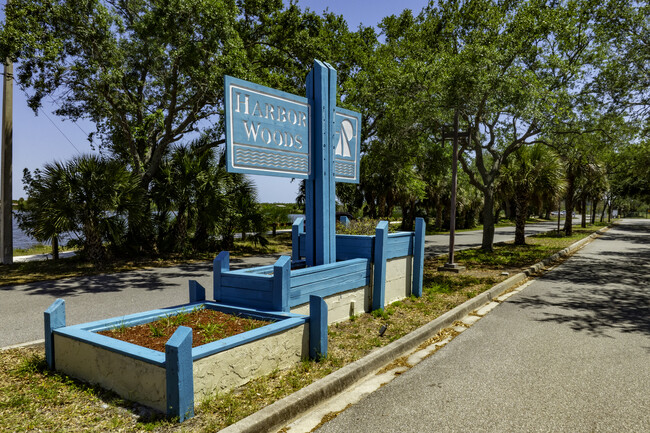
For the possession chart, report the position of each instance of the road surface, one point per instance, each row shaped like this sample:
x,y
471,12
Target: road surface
x,y
570,353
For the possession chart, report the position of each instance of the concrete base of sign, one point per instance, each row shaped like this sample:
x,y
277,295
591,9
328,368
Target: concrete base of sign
x,y
399,277
451,267
342,306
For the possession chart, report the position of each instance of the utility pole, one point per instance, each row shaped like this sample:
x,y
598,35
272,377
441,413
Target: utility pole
x,y
6,200
455,135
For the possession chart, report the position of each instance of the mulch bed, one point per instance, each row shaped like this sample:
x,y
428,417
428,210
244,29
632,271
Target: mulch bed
x,y
207,326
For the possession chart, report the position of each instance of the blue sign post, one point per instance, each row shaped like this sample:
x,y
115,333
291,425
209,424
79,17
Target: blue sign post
x,y
275,133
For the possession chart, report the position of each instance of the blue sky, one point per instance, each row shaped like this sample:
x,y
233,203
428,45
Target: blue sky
x,y
46,137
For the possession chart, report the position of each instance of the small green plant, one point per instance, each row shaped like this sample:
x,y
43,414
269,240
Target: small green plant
x,y
380,314
212,331
156,331
118,329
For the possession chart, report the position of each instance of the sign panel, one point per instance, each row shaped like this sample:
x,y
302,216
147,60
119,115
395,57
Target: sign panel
x,y
267,131
347,138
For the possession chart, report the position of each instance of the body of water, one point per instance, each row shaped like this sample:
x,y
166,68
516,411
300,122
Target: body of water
x,y
23,241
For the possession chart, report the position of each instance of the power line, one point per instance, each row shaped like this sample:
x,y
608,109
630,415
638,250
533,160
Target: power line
x,y
51,121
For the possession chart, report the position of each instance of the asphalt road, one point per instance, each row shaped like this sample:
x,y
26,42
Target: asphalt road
x,y
570,353
113,295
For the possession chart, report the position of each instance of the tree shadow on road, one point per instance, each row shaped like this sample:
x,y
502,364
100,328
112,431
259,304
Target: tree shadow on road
x,y
613,295
145,279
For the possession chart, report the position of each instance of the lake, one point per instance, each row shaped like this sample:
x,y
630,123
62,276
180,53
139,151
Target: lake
x,y
23,241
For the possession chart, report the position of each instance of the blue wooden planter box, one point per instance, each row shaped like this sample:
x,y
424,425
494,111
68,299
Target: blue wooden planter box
x,y
170,382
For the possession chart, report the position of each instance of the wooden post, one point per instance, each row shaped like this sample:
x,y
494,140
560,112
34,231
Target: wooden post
x,y
319,189
317,328
418,257
179,374
220,264
281,283
197,292
296,230
379,266
54,317
6,200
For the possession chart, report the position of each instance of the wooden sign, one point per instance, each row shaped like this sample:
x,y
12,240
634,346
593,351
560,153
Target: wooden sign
x,y
275,133
347,145
267,131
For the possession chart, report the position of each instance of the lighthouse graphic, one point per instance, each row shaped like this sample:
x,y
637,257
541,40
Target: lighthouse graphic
x,y
346,135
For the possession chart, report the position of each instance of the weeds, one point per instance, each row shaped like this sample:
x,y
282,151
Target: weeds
x,y
156,331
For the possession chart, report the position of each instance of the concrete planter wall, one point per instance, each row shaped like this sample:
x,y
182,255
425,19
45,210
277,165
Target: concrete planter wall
x,y
172,381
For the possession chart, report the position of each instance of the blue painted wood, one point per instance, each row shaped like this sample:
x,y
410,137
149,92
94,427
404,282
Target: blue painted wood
x,y
301,276
54,318
418,257
303,245
354,246
320,194
281,283
259,283
267,130
347,144
296,231
345,221
179,374
317,328
328,280
197,292
379,275
399,245
329,193
86,332
220,264
258,270
328,287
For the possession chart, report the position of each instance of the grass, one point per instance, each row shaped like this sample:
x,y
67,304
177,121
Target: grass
x,y
28,272
502,223
38,249
32,397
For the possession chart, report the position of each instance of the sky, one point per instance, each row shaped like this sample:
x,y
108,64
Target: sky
x,y
39,139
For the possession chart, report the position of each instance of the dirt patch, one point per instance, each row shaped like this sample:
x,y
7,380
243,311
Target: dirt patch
x,y
207,326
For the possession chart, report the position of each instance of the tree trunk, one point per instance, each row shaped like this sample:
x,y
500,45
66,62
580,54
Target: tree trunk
x,y
583,211
570,192
93,245
488,221
521,207
55,248
602,214
594,204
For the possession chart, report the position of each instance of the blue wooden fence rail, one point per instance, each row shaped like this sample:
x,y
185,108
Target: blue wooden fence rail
x,y
279,288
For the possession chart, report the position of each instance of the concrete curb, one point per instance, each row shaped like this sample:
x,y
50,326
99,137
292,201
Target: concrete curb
x,y
35,343
282,411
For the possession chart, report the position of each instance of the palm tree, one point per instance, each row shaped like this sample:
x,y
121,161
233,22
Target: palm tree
x,y
88,195
534,171
44,216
